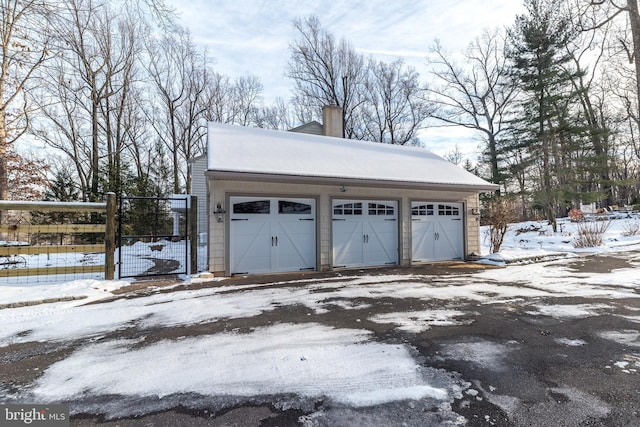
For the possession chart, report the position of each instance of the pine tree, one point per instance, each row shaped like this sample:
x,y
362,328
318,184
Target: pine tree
x,y
545,128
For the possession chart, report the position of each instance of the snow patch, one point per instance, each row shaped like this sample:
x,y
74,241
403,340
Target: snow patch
x,y
420,321
628,337
484,354
577,311
310,360
570,342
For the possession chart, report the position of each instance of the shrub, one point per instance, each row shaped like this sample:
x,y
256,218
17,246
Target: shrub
x,y
575,215
500,212
590,234
630,228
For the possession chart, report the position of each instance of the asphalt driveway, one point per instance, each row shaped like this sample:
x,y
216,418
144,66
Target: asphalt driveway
x,y
521,351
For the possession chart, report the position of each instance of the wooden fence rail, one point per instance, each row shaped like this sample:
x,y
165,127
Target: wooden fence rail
x,y
108,228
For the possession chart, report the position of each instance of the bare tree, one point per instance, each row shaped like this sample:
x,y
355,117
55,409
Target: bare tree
x,y
396,106
27,176
88,94
326,72
180,78
589,57
24,40
455,156
478,95
597,14
277,116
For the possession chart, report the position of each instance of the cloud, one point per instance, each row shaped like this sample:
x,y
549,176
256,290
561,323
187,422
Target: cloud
x,y
251,37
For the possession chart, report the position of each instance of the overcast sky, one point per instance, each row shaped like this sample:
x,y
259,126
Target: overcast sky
x,y
251,37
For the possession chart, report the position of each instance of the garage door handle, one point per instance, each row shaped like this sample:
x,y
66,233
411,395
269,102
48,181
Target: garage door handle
x,y
239,219
271,240
456,219
306,219
276,240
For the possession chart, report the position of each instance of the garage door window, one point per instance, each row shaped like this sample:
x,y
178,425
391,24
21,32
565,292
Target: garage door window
x,y
378,209
422,210
448,210
348,209
295,208
253,207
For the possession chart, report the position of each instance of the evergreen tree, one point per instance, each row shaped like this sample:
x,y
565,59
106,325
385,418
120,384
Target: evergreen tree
x,y
545,127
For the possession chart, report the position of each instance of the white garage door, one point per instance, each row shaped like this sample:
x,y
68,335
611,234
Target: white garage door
x,y
272,235
436,231
365,233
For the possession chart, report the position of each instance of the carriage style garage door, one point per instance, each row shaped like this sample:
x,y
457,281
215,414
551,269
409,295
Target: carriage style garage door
x,y
272,235
436,231
365,233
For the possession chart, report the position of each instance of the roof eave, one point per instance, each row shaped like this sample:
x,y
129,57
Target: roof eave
x,y
284,178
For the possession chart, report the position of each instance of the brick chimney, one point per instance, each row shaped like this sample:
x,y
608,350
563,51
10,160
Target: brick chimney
x,y
332,121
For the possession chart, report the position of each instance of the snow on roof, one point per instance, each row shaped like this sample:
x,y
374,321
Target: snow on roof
x,y
260,151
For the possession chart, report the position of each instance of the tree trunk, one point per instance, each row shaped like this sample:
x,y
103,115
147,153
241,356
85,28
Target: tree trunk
x,y
634,21
95,157
493,157
4,174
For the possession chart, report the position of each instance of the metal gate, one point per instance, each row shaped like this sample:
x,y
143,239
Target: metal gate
x,y
153,236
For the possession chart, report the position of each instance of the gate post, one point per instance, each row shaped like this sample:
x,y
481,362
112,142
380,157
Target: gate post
x,y
193,234
110,237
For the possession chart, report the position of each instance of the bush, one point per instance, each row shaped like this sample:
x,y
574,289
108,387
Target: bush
x,y
500,212
575,215
590,234
630,228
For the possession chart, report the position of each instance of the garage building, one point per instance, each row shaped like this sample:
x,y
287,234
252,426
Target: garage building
x,y
288,201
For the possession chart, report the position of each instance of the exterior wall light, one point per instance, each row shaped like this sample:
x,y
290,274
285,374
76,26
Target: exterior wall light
x,y
219,212
475,211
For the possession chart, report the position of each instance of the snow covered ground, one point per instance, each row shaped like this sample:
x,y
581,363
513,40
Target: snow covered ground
x,y
135,260
535,240
311,360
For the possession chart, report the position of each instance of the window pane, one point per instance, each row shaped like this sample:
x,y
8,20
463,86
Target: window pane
x,y
255,207
379,209
348,209
448,210
420,210
286,207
